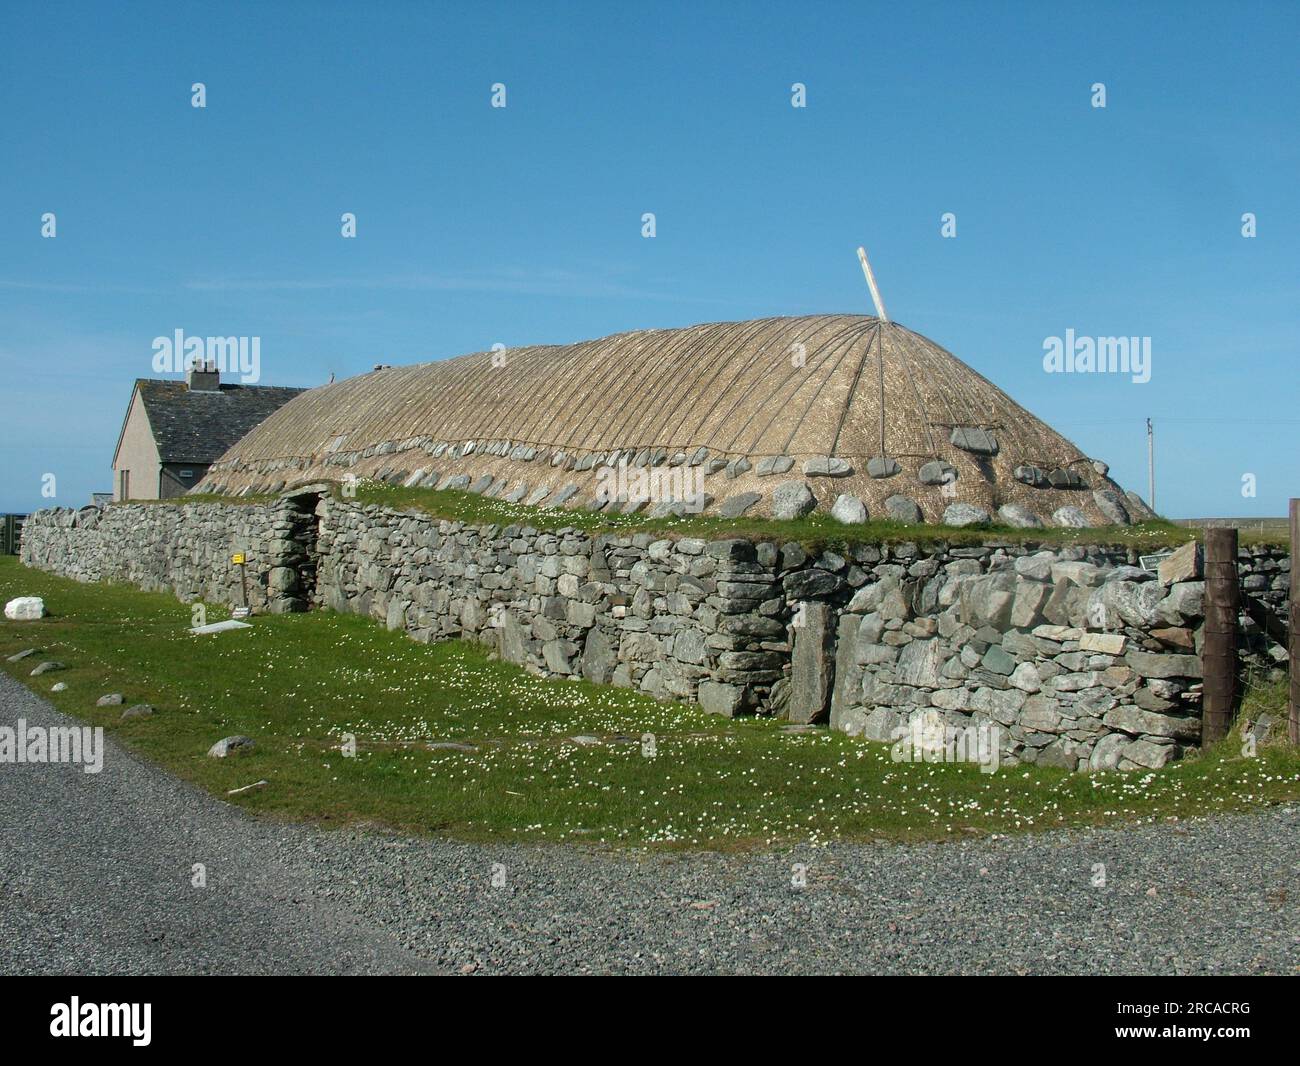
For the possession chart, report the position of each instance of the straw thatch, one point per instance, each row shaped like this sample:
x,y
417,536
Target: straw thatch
x,y
785,390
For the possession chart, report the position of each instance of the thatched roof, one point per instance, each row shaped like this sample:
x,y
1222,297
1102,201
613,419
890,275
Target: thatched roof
x,y
791,391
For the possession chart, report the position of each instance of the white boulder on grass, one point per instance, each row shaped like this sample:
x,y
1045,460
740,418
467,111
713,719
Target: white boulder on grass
x,y
25,609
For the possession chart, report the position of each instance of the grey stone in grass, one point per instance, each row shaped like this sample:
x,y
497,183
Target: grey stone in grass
x,y
138,710
599,656
558,655
113,699
903,509
19,656
226,745
882,466
46,667
1061,753
717,697
1108,752
849,510
451,745
812,665
1146,754
735,506
793,499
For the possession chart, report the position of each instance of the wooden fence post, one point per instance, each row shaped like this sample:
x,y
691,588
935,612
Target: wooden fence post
x,y
1219,654
1293,619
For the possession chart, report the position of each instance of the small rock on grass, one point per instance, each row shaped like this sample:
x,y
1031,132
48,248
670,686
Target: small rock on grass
x,y
21,655
46,667
110,700
140,710
58,686
226,745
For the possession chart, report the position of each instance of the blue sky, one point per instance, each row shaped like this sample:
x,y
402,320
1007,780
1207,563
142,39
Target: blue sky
x,y
523,225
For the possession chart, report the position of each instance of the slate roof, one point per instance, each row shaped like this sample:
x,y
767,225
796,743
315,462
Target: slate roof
x,y
198,427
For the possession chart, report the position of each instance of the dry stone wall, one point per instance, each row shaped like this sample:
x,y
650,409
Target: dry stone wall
x,y
1077,657
183,549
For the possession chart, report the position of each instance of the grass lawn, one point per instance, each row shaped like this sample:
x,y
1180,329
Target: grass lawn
x,y
298,683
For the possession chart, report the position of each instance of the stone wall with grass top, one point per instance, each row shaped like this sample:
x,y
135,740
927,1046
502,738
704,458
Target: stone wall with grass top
x,y
1078,657
184,549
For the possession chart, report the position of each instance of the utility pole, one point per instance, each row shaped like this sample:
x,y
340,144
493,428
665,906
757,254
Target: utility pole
x,y
1151,466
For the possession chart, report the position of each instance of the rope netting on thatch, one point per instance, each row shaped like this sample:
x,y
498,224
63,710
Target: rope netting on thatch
x,y
824,385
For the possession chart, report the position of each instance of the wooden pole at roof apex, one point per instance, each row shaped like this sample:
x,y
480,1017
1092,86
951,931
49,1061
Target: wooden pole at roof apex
x,y
871,284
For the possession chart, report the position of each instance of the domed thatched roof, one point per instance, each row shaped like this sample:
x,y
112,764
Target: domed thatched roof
x,y
750,406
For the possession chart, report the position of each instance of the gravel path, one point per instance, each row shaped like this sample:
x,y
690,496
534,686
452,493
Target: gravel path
x,y
95,878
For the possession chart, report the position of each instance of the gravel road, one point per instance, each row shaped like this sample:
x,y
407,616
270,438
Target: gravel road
x,y
95,878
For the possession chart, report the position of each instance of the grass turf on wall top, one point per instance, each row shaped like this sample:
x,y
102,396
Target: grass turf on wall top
x,y
813,530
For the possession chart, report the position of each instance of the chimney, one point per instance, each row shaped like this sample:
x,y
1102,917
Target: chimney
x,y
203,377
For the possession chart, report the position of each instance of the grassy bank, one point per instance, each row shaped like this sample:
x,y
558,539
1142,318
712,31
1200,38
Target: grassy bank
x,y
298,683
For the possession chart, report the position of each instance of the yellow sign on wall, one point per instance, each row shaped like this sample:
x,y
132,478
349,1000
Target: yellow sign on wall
x,y
237,558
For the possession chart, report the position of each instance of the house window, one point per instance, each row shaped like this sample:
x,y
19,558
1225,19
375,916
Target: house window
x,y
124,484
187,474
